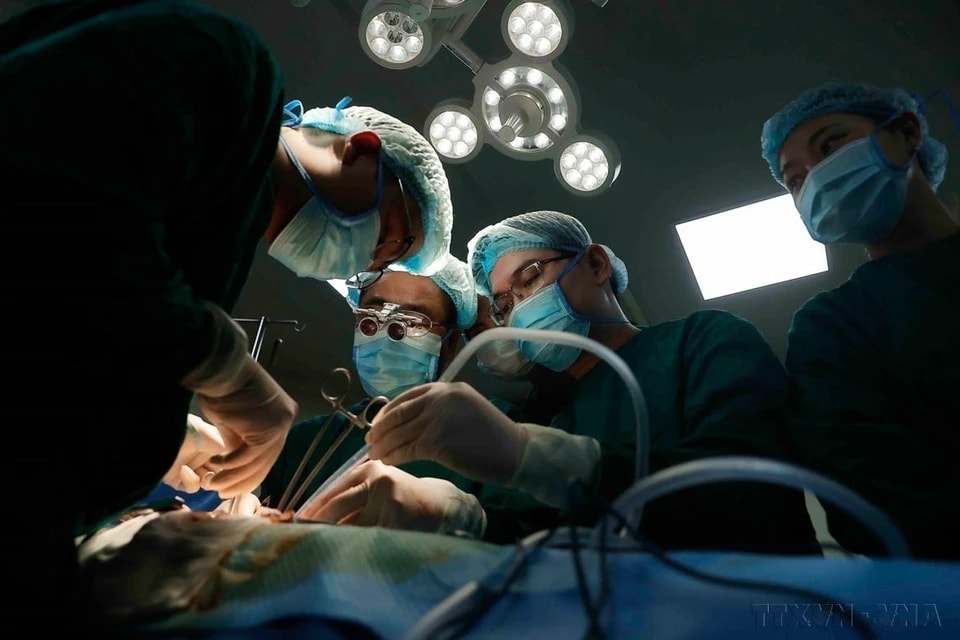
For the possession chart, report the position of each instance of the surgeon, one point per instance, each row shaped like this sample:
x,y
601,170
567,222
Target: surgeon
x,y
713,387
874,364
407,330
139,180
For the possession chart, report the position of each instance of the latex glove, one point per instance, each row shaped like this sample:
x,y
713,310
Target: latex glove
x,y
373,494
201,442
251,411
451,424
245,504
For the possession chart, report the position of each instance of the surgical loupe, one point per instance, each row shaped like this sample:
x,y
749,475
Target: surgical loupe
x,y
399,323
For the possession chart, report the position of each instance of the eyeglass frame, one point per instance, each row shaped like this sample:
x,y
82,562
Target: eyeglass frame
x,y
494,312
406,241
392,313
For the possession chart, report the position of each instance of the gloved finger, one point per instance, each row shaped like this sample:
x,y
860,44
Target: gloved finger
x,y
390,419
246,453
400,445
189,480
395,411
343,504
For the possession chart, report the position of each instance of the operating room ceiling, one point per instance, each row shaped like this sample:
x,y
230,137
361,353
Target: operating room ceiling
x,y
683,86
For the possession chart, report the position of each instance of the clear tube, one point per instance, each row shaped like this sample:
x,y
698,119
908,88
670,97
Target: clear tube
x,y
550,337
745,468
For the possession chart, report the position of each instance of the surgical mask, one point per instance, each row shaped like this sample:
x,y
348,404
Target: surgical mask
x,y
548,309
855,195
503,359
321,241
389,367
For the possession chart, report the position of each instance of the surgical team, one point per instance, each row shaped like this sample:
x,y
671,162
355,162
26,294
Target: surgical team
x,y
148,197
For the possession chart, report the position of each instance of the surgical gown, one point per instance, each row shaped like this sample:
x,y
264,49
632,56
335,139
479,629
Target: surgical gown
x,y
713,387
136,142
874,367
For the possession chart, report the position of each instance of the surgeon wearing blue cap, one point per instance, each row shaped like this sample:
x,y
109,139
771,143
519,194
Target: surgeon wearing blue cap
x,y
407,330
141,180
712,385
874,364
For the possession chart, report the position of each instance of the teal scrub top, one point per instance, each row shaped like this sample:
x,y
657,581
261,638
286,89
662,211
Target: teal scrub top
x,y
874,369
713,387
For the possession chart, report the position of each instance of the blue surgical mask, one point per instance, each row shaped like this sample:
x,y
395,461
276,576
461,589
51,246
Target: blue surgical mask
x,y
321,241
389,367
549,310
855,195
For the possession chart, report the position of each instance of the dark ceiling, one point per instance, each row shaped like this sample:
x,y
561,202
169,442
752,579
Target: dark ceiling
x,y
683,86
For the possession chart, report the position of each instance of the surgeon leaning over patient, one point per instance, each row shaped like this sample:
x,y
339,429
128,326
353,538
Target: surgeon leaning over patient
x,y
713,387
142,178
407,330
874,364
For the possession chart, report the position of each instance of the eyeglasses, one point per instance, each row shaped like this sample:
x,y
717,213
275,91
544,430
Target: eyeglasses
x,y
399,323
389,251
526,283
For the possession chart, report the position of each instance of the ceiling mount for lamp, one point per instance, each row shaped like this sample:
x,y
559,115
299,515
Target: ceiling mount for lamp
x,y
528,107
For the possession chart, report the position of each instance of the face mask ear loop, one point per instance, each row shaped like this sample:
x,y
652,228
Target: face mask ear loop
x,y
566,303
880,154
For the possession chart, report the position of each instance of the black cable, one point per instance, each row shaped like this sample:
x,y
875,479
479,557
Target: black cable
x,y
864,629
468,619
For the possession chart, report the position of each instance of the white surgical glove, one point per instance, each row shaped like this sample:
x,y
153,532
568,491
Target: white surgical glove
x,y
251,411
201,442
246,504
373,494
452,424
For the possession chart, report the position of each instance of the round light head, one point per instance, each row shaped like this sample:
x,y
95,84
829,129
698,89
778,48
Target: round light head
x,y
452,130
394,39
588,165
527,108
538,30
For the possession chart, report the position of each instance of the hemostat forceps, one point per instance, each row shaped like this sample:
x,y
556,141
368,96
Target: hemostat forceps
x,y
334,390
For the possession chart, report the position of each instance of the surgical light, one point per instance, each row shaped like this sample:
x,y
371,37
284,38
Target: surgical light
x,y
453,131
588,165
538,30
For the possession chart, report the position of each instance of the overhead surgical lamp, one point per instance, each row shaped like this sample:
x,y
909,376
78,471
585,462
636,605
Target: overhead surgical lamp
x,y
527,106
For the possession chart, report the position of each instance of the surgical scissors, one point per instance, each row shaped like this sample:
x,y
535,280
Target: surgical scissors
x,y
334,390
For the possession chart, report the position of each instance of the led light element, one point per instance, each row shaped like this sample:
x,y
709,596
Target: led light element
x,y
539,30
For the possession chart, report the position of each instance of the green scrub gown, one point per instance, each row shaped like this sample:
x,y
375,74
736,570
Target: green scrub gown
x,y
713,387
136,142
874,367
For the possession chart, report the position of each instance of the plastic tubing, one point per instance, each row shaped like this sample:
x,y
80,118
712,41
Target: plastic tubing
x,y
746,468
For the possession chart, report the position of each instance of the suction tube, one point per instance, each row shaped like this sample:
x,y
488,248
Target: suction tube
x,y
710,471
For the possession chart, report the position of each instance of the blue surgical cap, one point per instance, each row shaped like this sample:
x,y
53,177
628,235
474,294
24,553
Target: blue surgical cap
x,y
534,230
411,158
455,280
863,99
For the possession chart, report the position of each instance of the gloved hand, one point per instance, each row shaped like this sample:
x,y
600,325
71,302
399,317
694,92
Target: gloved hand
x,y
201,442
251,411
246,504
373,494
453,425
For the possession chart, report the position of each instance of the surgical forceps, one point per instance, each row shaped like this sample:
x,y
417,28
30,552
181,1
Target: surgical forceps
x,y
334,390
